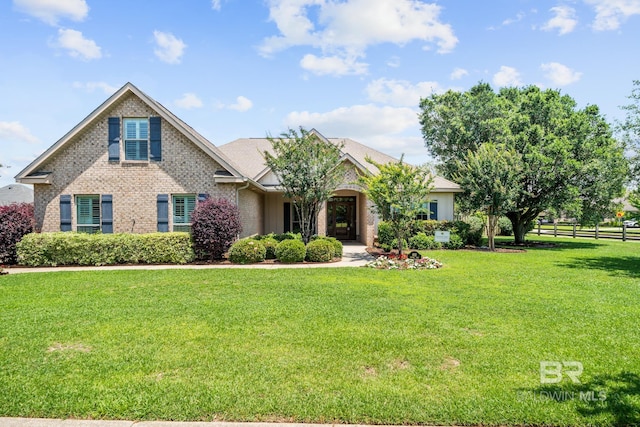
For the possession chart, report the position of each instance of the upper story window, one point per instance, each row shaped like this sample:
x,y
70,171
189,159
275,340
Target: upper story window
x,y
136,139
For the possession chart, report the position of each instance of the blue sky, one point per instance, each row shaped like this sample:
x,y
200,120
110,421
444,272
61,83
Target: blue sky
x,y
349,68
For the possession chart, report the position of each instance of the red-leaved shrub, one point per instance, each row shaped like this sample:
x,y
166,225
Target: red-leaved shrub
x,y
215,224
16,220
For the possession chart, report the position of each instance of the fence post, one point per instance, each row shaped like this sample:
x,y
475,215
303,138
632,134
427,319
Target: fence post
x,y
538,228
624,233
555,229
597,231
574,230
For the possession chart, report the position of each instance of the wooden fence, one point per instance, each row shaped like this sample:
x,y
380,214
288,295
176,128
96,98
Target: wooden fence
x,y
623,233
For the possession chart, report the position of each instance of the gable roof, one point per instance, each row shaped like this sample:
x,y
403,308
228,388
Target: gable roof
x,y
31,171
15,193
247,153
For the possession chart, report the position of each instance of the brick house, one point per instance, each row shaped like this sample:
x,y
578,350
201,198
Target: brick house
x,y
132,166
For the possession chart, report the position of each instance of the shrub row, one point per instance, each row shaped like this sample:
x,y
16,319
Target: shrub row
x,y
69,248
287,250
421,234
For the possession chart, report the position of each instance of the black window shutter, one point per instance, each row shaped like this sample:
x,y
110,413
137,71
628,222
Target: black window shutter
x,y
202,197
434,210
114,139
65,212
163,213
287,217
155,126
107,213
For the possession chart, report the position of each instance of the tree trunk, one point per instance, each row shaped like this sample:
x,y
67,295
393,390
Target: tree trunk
x,y
399,236
492,224
520,229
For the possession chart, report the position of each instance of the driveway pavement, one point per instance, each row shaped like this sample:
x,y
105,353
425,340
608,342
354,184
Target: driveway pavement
x,y
353,255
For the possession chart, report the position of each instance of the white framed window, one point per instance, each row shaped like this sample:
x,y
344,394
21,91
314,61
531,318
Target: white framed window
x,y
183,206
136,139
88,213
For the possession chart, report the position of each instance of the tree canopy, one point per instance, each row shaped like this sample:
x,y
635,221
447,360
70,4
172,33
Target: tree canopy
x,y
309,169
568,158
398,191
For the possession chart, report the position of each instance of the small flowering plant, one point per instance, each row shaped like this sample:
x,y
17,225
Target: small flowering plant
x,y
389,263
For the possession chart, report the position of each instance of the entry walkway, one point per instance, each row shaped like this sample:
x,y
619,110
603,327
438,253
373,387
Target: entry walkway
x,y
354,254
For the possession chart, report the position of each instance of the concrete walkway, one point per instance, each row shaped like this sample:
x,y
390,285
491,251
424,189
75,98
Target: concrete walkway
x,y
41,422
353,255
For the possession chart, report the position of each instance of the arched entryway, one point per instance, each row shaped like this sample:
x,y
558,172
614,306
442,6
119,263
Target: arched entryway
x,y
341,217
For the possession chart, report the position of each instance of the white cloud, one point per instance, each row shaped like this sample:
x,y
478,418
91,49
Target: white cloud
x,y
507,76
356,121
189,101
15,131
346,29
400,92
77,46
242,104
215,4
50,11
559,74
393,62
564,20
458,73
170,48
92,86
519,17
332,65
611,13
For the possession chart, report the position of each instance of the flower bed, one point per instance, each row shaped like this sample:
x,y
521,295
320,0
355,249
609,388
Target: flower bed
x,y
388,263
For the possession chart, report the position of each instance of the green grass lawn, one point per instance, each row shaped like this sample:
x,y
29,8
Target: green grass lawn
x,y
458,345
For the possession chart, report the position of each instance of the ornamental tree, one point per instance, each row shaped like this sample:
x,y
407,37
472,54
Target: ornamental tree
x,y
569,160
215,225
16,220
309,169
398,191
487,175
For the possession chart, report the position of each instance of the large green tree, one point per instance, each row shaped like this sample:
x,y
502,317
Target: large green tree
x,y
487,176
630,130
309,169
568,157
398,191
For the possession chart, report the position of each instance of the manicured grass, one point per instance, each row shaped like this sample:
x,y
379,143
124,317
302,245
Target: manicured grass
x,y
462,344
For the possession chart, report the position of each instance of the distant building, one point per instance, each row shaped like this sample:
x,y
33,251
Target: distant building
x,y
15,193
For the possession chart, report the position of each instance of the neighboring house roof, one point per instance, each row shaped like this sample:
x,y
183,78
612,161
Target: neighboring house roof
x,y
247,153
15,193
626,206
32,174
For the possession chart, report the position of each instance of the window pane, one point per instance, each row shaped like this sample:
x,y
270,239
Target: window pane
x,y
183,207
88,213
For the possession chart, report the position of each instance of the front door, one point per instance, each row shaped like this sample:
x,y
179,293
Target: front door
x,y
341,218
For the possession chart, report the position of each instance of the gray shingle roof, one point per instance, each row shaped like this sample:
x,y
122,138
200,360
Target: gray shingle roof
x,y
246,154
15,193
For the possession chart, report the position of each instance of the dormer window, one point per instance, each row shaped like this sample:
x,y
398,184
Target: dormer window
x,y
136,139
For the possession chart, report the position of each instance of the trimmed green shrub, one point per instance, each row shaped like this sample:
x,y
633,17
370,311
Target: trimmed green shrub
x,y
247,251
455,242
385,235
69,248
337,244
476,229
270,245
290,251
319,250
505,226
423,241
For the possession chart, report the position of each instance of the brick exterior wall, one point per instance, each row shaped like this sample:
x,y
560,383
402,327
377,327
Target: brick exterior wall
x,y
83,168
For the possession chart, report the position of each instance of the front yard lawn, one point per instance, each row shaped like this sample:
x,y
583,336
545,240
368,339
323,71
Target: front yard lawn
x,y
459,345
